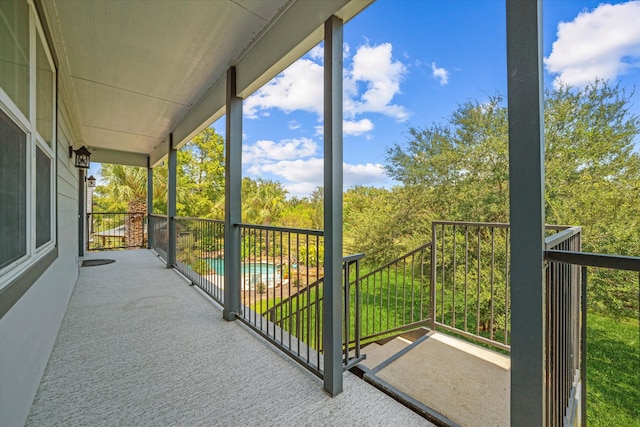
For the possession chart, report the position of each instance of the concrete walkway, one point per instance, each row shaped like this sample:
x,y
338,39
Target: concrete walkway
x,y
138,346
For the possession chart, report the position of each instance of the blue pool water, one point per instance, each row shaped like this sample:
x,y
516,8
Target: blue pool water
x,y
252,273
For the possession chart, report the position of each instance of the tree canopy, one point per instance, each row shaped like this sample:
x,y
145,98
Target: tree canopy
x,y
460,171
456,170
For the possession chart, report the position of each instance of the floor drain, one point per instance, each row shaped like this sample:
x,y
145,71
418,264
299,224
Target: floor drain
x,y
95,262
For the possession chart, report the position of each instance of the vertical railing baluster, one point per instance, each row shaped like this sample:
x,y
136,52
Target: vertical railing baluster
x,y
506,288
412,289
478,286
434,275
404,290
493,259
422,283
389,298
466,273
453,282
443,277
358,318
346,302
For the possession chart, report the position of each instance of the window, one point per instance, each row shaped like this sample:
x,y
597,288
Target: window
x,y
43,198
44,93
13,191
27,140
14,52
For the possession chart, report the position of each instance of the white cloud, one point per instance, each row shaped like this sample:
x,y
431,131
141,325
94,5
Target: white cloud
x,y
351,127
603,43
357,128
264,151
300,170
346,50
293,125
317,53
372,79
440,74
374,66
299,87
302,176
367,174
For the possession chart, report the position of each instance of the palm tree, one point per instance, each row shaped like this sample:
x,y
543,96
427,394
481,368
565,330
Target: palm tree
x,y
262,200
128,184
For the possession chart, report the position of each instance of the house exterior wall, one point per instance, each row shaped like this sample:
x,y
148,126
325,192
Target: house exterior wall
x,y
29,328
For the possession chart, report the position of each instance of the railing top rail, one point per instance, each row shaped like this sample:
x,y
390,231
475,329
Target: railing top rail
x,y
473,224
285,229
158,216
352,258
345,260
117,213
587,259
495,224
395,261
188,218
285,301
561,236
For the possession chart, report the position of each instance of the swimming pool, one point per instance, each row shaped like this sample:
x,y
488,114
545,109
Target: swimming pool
x,y
252,272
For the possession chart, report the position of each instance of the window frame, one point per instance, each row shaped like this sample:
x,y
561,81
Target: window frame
x,y
34,142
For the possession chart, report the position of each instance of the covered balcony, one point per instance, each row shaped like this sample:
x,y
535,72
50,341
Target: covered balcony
x,y
138,346
427,334
277,323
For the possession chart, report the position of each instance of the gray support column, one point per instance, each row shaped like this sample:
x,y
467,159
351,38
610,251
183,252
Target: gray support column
x,y
332,306
171,204
149,203
232,199
526,196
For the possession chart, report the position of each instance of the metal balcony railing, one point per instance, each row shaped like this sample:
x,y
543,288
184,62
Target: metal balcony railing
x,y
199,254
116,230
281,281
566,340
457,283
159,234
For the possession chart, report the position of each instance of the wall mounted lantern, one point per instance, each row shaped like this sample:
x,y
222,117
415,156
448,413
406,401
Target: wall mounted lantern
x,y
83,157
91,181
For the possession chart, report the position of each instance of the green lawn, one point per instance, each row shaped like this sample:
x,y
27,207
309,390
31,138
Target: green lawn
x,y
613,349
613,372
263,305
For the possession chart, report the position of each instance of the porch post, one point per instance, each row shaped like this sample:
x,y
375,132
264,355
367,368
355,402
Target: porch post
x,y
526,183
171,204
149,203
332,307
232,199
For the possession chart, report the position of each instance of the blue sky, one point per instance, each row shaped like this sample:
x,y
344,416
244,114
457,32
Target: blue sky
x,y
411,63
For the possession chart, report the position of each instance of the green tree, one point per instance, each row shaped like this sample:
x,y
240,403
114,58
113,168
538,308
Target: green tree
x,y
201,176
263,201
125,188
460,170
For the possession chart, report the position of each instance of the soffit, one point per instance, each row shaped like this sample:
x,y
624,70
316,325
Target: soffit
x,y
137,68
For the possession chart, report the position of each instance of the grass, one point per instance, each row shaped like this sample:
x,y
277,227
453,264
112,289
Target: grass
x,y
613,371
613,355
264,304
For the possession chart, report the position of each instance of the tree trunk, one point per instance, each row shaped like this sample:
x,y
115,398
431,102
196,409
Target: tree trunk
x,y
134,224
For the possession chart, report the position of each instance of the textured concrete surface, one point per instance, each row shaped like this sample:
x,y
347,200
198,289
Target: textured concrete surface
x,y
468,384
376,353
138,346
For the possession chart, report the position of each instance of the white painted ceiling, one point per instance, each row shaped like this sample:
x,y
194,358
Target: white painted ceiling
x,y
137,69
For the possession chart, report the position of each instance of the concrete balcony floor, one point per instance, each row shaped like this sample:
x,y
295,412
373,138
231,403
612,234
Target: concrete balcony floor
x,y
138,346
